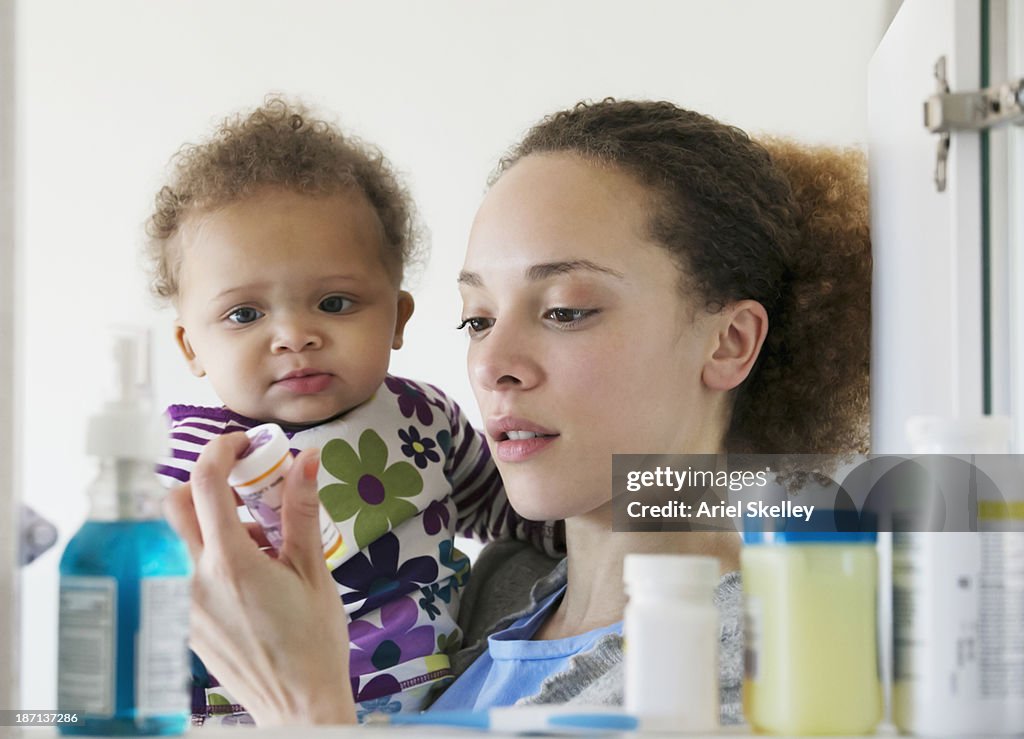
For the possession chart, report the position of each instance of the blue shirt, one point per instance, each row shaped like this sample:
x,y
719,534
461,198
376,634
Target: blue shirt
x,y
513,666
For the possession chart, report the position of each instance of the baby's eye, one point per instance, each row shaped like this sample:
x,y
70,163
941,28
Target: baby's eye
x,y
568,315
475,324
244,315
335,304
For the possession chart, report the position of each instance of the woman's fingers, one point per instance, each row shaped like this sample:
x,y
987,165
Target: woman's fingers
x,y
212,498
181,515
285,654
300,516
258,535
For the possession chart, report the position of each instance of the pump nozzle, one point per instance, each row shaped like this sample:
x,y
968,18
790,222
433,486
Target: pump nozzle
x,y
127,427
131,350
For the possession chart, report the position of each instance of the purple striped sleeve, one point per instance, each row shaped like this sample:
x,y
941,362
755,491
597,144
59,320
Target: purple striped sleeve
x,y
184,454
181,436
468,434
201,426
172,472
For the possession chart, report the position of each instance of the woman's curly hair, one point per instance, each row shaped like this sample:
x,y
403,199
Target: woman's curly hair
x,y
279,144
777,222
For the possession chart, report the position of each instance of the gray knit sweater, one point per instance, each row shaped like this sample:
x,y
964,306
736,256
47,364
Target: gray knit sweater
x,y
510,579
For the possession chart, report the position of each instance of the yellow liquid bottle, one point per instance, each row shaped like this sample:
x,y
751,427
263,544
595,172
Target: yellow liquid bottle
x,y
811,663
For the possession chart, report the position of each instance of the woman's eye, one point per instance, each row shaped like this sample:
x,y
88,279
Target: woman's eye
x,y
244,315
475,324
335,304
568,315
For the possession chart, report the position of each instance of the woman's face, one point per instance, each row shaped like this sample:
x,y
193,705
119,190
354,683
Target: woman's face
x,y
581,343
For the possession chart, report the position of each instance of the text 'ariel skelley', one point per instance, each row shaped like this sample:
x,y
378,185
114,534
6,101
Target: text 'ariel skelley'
x,y
754,509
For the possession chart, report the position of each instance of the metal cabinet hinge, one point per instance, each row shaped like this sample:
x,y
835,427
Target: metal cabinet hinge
x,y
975,110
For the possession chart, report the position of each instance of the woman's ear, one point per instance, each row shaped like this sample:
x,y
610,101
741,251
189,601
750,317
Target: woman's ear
x,y
181,336
740,331
406,305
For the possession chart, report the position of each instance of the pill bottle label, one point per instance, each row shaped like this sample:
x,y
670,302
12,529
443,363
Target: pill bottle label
x,y
905,618
958,649
162,663
1001,613
87,662
264,504
752,630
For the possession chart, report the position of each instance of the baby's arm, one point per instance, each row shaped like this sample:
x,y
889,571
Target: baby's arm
x,y
482,508
191,428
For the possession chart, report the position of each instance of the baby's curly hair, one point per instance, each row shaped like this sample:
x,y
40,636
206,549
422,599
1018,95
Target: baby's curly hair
x,y
279,144
777,222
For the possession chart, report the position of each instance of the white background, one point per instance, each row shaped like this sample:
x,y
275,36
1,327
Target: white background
x,y
107,91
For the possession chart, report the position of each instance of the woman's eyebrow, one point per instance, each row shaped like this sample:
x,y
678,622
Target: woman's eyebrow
x,y
550,269
543,271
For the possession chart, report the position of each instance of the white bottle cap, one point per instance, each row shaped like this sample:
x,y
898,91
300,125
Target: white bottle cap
x,y
671,570
268,446
941,435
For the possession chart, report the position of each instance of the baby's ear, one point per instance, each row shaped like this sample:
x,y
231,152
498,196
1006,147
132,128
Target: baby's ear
x,y
739,334
181,336
406,305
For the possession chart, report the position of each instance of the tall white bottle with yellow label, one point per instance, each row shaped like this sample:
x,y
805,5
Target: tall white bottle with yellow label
x,y
958,596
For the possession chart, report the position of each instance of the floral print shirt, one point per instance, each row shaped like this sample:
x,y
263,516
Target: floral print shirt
x,y
400,475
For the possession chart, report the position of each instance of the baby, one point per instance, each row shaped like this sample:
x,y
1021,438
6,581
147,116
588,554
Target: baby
x,y
281,243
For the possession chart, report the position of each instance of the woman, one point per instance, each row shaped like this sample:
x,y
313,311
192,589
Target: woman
x,y
639,279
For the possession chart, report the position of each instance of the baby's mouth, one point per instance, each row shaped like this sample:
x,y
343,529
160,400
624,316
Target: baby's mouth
x,y
305,381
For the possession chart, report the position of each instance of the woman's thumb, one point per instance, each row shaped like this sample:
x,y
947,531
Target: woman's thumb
x,y
300,515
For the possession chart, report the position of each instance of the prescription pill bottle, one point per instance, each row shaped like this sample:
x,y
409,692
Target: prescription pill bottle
x,y
671,635
811,651
258,476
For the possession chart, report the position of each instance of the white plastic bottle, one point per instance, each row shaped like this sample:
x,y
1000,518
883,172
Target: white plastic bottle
x,y
257,478
958,598
671,632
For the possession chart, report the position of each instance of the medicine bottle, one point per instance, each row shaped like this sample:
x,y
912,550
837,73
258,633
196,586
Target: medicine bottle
x,y
811,651
258,476
671,632
125,579
958,595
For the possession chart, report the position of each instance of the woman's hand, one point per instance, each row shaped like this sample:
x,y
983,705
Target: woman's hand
x,y
272,629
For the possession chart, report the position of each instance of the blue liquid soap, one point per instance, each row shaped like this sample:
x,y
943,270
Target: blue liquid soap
x,y
123,666
123,555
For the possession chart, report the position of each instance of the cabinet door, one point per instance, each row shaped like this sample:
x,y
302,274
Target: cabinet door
x,y
1007,213
928,343
8,502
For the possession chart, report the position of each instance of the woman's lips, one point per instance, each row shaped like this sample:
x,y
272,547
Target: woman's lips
x,y
518,450
306,384
508,434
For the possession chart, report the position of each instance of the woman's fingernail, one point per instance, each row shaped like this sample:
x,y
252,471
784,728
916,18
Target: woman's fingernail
x,y
310,467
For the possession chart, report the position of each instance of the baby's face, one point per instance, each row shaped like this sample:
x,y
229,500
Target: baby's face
x,y
285,303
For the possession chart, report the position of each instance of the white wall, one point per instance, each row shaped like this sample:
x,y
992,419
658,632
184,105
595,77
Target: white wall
x,y
108,90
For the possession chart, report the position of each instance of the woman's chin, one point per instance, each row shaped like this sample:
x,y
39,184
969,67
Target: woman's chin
x,y
541,505
534,504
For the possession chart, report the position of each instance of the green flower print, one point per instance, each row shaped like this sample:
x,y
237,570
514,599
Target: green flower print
x,y
449,643
370,490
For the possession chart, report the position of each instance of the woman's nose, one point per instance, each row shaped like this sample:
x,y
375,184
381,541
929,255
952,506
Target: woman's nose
x,y
295,334
503,360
